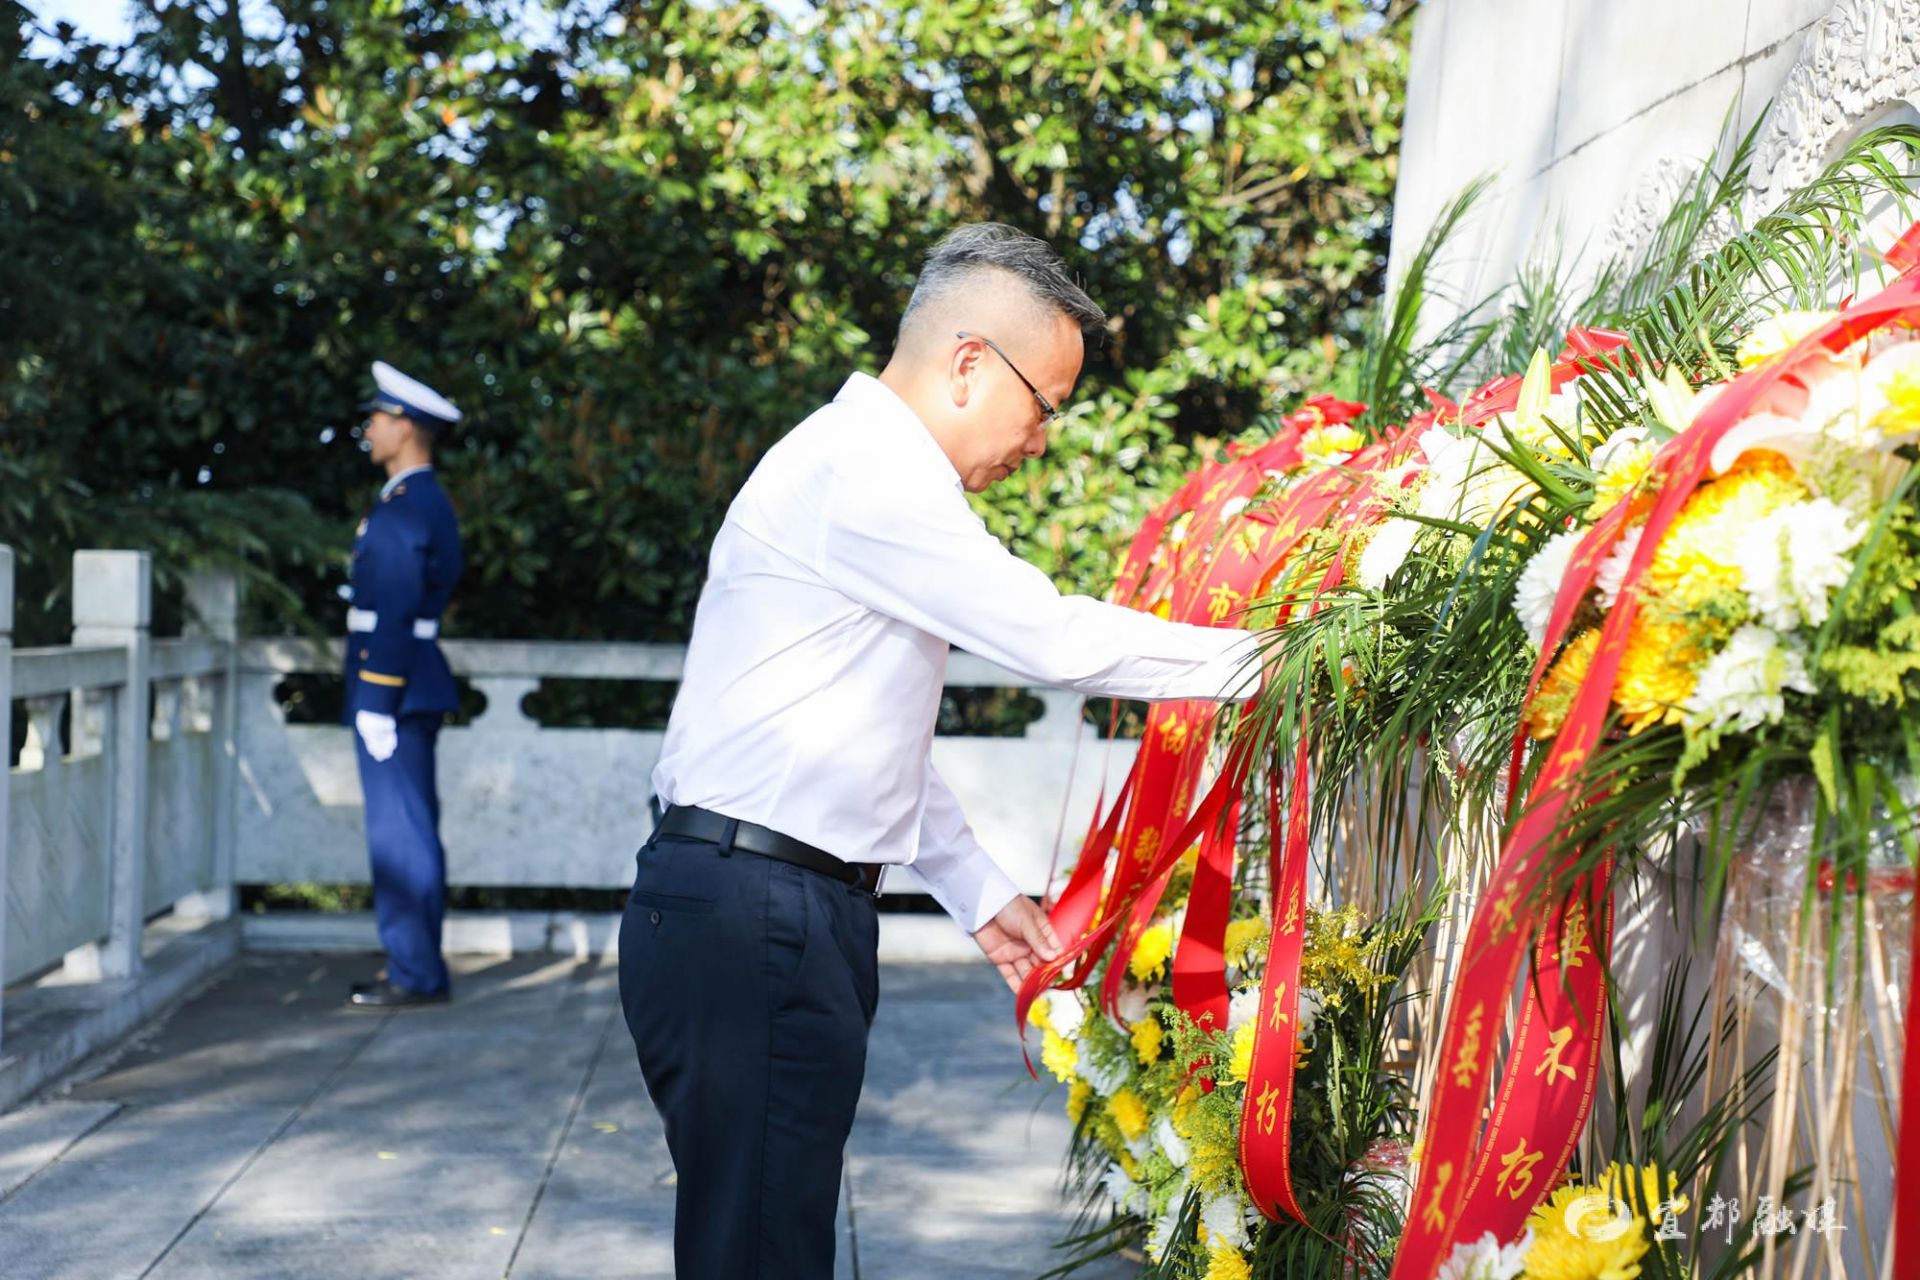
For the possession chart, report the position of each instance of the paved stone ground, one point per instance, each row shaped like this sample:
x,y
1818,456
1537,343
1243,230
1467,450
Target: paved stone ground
x,y
265,1131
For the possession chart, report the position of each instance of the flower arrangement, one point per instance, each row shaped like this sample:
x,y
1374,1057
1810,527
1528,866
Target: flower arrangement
x,y
1746,616
1636,587
1157,1101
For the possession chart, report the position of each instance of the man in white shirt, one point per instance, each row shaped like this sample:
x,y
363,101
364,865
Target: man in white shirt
x,y
796,763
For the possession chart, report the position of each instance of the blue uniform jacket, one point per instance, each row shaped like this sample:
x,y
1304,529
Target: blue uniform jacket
x,y
406,559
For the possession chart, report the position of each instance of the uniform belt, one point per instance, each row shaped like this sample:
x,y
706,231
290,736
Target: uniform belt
x,y
361,620
690,822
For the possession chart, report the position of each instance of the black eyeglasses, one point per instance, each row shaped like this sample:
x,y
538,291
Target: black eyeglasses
x,y
1046,406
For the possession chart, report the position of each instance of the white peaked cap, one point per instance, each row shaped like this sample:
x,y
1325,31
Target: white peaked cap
x,y
412,394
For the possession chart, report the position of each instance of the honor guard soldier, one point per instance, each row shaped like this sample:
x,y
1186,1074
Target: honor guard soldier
x,y
406,559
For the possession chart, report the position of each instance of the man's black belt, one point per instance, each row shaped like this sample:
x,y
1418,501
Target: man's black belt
x,y
689,822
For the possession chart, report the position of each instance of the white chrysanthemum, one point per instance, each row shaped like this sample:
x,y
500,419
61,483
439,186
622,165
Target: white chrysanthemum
x,y
1308,1013
1139,1148
1612,573
1795,558
1168,1139
1386,551
1539,584
1484,1259
1065,1012
1225,1218
1163,1228
1743,685
1107,1079
1132,1004
1127,1195
1243,1008
1232,507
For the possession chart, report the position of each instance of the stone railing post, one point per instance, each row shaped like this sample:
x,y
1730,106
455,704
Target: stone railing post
x,y
6,745
213,611
113,606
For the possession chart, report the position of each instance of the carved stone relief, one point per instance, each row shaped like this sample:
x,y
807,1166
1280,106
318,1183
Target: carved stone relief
x,y
1860,61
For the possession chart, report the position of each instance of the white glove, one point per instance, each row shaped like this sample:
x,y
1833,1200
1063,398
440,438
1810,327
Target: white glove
x,y
379,732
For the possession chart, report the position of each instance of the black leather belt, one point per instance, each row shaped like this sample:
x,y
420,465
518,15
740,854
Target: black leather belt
x,y
689,822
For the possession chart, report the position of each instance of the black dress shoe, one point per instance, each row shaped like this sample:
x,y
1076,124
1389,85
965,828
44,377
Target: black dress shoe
x,y
384,995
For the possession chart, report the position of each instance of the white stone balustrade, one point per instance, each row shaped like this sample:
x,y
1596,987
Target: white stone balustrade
x,y
158,774
526,805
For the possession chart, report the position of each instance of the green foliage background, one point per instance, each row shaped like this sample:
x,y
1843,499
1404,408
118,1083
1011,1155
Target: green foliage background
x,y
637,242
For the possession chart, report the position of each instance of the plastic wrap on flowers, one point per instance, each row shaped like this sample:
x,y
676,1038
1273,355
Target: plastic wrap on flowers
x,y
1816,981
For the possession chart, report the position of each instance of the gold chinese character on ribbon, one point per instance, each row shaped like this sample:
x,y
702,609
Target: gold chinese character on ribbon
x,y
1246,540
1147,845
1466,1064
1173,734
1550,1064
1278,1014
1516,1167
1221,601
1573,938
1291,925
1266,1109
1503,906
1434,1216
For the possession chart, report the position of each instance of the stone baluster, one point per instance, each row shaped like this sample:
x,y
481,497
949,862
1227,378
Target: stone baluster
x,y
113,607
213,610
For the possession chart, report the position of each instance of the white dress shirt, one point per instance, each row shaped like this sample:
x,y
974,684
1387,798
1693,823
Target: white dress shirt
x,y
845,569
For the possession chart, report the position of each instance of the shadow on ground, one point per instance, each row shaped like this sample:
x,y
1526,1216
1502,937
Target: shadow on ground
x,y
264,1130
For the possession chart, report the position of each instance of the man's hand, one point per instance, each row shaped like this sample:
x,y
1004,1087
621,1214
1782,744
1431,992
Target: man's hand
x,y
1018,939
379,732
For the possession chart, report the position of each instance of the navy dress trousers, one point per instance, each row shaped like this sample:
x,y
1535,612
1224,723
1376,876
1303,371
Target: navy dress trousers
x,y
406,560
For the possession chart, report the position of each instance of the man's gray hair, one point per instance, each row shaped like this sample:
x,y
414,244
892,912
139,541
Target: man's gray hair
x,y
994,246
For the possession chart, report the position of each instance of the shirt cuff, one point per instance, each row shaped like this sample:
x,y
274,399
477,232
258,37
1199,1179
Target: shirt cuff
x,y
1229,671
968,884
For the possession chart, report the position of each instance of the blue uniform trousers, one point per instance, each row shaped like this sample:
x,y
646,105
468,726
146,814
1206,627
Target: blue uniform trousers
x,y
409,866
749,986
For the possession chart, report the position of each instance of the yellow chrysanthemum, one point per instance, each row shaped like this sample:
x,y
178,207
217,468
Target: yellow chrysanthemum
x,y
1058,1055
1600,1232
1656,674
1224,1262
1770,337
1902,413
1329,442
1622,476
1242,1064
1695,559
1693,595
1559,1254
1078,1095
1129,1113
1129,1166
1150,954
1147,1038
1551,702
1037,1015
1244,940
